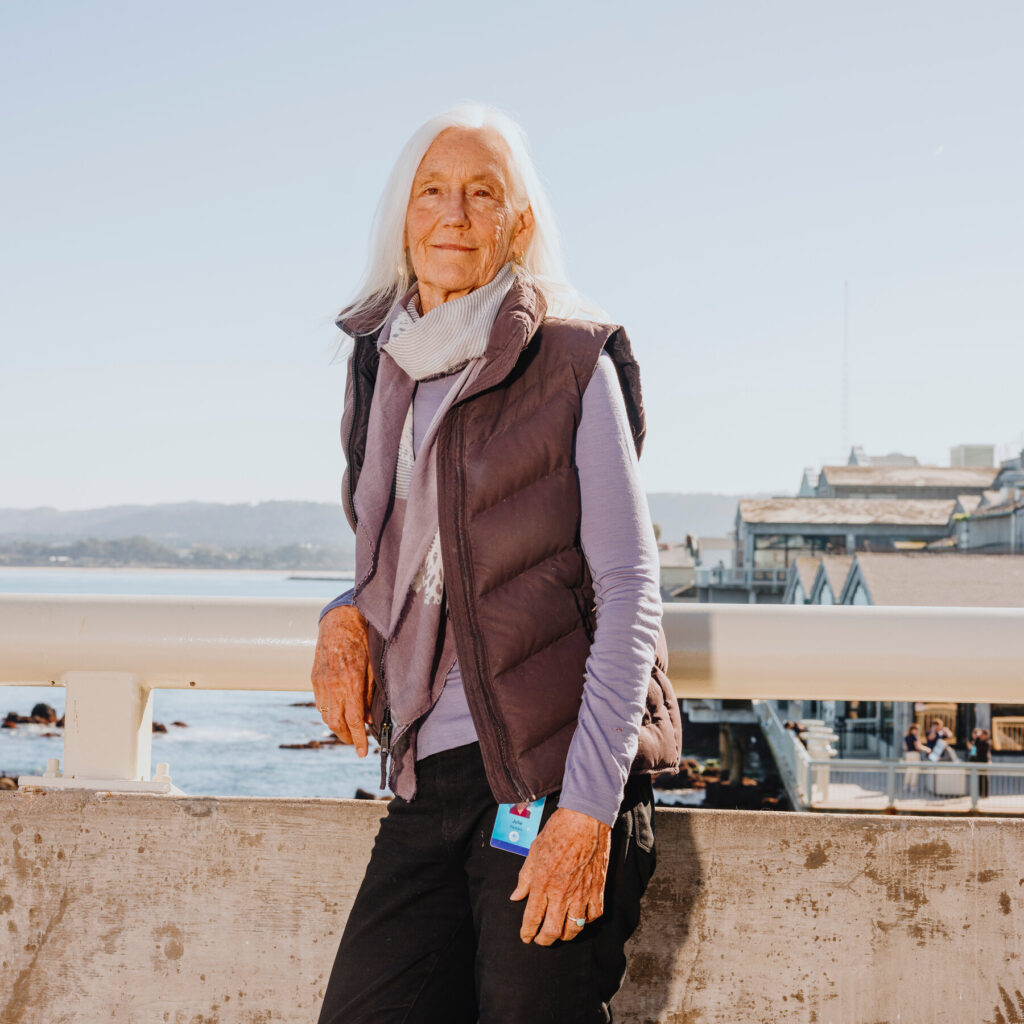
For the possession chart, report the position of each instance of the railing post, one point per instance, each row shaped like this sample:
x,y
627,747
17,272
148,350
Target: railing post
x,y
890,784
974,784
108,726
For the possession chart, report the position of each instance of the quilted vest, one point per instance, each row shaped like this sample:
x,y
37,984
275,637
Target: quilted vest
x,y
520,597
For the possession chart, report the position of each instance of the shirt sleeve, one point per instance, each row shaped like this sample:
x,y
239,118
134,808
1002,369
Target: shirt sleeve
x,y
340,600
618,542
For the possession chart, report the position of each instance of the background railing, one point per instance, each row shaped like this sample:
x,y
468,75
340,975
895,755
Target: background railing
x,y
111,652
722,576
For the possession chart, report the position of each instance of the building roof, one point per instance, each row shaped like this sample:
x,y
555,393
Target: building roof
x,y
969,502
910,476
836,568
848,511
807,569
943,580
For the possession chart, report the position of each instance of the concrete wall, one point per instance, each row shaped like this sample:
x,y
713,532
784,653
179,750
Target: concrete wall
x,y
187,910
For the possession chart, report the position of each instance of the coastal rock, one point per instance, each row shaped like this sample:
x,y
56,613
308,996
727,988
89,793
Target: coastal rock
x,y
180,725
304,704
331,741
44,713
159,727
365,794
7,782
8,723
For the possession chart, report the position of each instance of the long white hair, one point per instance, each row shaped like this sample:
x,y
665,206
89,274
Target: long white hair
x,y
389,273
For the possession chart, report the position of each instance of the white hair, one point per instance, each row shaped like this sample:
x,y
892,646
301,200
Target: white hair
x,y
389,273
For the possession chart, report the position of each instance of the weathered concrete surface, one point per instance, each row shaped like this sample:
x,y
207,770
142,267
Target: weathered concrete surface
x,y
186,910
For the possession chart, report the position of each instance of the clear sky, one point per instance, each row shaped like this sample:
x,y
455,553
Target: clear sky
x,y
187,190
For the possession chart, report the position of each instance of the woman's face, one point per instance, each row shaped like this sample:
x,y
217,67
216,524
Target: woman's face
x,y
461,226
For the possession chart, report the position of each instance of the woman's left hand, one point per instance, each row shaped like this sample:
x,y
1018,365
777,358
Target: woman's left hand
x,y
564,877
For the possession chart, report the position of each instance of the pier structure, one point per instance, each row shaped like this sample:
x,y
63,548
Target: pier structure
x,y
123,899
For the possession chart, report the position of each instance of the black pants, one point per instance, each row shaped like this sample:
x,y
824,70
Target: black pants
x,y
433,937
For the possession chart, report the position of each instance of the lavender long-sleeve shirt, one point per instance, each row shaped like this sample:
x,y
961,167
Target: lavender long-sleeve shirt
x,y
618,543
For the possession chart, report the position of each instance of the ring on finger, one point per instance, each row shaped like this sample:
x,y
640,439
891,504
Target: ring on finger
x,y
579,921
323,709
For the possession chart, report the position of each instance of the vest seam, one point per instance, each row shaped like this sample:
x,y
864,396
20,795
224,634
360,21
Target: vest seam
x,y
549,736
568,464
529,568
543,647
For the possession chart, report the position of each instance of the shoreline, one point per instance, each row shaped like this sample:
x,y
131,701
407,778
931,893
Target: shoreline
x,y
325,574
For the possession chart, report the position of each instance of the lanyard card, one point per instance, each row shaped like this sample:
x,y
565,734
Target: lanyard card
x,y
516,826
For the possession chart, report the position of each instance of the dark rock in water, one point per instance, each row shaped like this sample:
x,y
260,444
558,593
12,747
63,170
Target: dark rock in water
x,y
331,741
60,722
180,725
12,716
6,782
44,713
304,704
365,794
159,727
8,723
51,734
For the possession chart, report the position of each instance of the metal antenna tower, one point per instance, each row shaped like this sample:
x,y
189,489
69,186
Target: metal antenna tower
x,y
846,369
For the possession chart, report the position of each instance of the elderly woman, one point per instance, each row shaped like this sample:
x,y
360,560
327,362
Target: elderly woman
x,y
501,637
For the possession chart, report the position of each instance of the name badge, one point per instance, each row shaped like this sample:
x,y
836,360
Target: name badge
x,y
516,826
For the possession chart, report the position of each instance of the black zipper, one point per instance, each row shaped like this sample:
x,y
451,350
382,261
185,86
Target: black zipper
x,y
385,745
460,534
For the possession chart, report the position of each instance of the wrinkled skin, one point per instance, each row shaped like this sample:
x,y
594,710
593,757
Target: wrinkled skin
x,y
342,675
464,221
564,877
463,224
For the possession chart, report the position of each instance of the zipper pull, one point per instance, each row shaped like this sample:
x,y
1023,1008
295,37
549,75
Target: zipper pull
x,y
385,747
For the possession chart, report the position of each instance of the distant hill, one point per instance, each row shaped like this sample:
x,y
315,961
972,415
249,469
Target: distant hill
x,y
703,515
267,524
273,524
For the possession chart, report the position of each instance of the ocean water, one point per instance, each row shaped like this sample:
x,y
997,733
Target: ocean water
x,y
230,746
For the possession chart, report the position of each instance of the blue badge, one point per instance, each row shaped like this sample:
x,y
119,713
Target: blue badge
x,y
516,826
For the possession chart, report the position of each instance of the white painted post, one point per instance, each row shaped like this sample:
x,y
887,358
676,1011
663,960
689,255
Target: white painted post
x,y
108,726
975,786
890,784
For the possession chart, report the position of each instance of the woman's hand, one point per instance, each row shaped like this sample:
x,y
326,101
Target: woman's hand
x,y
564,876
342,675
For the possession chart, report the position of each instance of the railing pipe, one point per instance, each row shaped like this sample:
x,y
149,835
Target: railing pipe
x,y
716,650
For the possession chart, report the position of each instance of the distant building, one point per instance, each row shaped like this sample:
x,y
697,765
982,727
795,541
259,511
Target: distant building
x,y
963,455
995,524
675,563
829,579
713,551
876,728
935,580
904,481
859,458
800,580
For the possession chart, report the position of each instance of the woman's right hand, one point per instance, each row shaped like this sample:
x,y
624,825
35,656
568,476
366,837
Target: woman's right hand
x,y
342,675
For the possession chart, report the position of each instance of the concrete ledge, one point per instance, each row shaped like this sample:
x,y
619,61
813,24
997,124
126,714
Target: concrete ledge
x,y
194,910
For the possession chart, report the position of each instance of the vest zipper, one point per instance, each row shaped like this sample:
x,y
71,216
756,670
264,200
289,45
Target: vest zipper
x,y
464,560
385,745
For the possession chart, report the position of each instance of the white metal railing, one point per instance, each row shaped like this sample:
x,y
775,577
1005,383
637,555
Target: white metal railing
x,y
790,754
962,786
749,577
111,652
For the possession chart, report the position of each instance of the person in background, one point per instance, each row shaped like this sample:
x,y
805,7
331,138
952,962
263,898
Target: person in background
x,y
913,750
981,753
503,638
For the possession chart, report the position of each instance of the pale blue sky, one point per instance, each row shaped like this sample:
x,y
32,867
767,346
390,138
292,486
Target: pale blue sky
x,y
187,190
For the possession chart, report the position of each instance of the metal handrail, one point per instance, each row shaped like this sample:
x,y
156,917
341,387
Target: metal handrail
x,y
111,652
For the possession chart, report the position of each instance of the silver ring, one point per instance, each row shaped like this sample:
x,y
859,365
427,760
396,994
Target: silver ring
x,y
580,921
